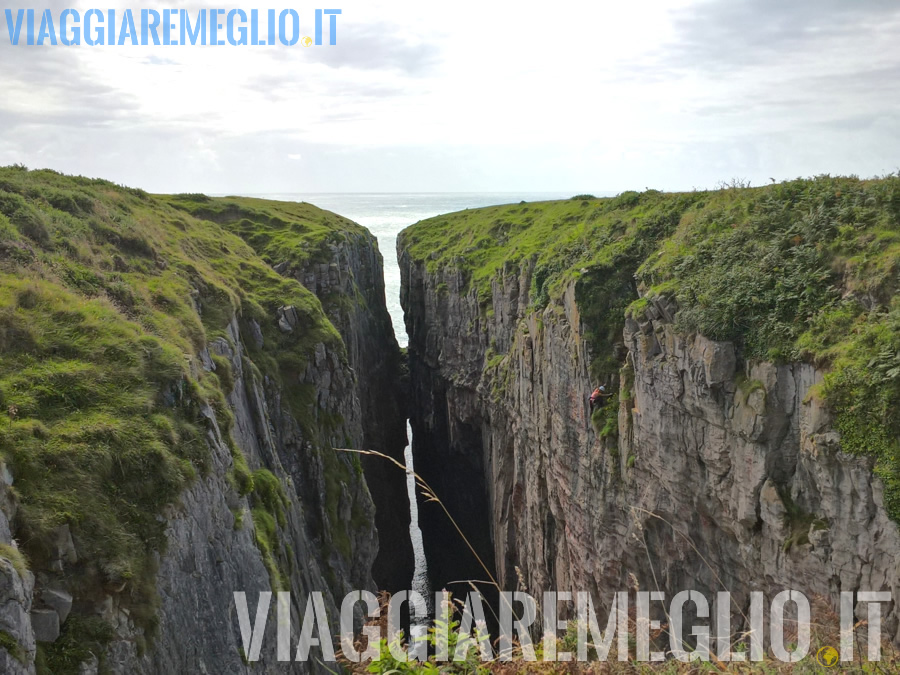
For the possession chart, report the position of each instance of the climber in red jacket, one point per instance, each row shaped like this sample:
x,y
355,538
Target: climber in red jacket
x,y
598,397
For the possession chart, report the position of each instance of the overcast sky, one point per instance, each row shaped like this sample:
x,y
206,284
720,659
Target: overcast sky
x,y
474,96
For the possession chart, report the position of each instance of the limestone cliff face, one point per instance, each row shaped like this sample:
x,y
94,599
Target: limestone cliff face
x,y
351,288
197,397
327,541
720,474
209,557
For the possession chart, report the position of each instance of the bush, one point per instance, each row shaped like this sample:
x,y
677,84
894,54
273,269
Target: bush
x,y
81,638
28,220
605,419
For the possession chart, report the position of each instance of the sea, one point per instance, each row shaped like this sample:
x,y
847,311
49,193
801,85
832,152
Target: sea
x,y
385,215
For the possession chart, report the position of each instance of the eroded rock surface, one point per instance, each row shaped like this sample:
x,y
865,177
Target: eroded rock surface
x,y
723,474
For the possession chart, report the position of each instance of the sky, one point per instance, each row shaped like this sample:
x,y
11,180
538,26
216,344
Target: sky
x,y
473,96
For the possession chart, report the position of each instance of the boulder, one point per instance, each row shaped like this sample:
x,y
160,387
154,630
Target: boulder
x,y
58,600
45,624
287,318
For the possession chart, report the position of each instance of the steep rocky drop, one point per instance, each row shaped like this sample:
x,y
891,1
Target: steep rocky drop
x,y
173,404
712,468
346,272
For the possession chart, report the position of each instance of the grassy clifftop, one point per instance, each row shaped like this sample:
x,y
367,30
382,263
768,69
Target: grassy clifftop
x,y
107,296
803,270
292,232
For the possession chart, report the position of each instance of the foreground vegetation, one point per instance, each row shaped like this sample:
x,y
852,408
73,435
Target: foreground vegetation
x,y
804,270
462,654
107,297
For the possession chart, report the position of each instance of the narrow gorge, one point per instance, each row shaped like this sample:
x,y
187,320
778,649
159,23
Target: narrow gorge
x,y
181,374
749,338
176,373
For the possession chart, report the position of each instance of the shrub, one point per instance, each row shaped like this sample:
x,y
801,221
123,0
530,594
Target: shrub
x,y
80,639
605,419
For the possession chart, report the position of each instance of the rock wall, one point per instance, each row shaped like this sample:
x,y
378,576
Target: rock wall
x,y
17,639
209,557
351,289
328,541
723,475
212,549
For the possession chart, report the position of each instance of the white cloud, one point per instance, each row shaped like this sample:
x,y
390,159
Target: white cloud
x,y
467,96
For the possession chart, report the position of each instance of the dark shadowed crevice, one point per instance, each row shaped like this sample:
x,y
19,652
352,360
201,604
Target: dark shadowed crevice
x,y
450,457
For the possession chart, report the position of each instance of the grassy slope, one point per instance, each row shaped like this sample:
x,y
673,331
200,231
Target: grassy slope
x,y
293,232
804,270
98,331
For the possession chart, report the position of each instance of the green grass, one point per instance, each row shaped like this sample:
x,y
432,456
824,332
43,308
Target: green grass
x,y
806,270
294,232
605,419
81,638
269,493
596,244
107,295
748,387
497,368
336,473
267,542
292,236
16,557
